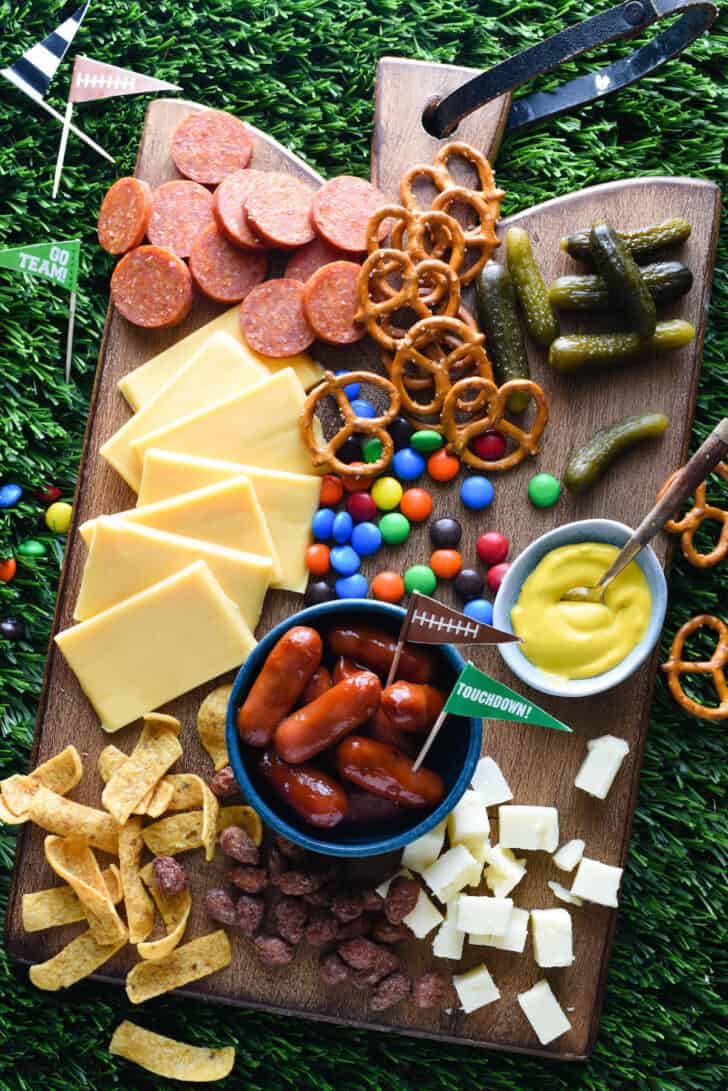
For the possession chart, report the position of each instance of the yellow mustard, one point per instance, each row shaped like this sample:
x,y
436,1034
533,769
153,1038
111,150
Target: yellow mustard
x,y
580,639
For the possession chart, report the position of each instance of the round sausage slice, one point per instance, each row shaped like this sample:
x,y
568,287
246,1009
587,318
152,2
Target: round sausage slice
x,y
223,271
342,209
228,203
314,255
280,212
152,287
180,212
273,321
329,299
209,145
124,215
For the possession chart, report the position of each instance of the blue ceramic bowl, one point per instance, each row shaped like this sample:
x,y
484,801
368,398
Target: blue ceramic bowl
x,y
586,530
454,754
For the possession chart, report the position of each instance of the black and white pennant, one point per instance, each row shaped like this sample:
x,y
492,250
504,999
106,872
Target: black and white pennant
x,y
33,72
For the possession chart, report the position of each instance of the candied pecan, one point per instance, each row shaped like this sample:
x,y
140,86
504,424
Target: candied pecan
x,y
390,991
249,914
277,863
223,783
297,882
274,950
237,843
373,902
333,969
289,915
362,954
401,899
169,875
290,850
319,898
384,932
249,879
220,907
321,929
347,906
360,926
429,990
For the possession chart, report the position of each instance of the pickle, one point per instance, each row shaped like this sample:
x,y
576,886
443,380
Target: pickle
x,y
624,279
665,280
539,316
588,463
499,319
585,351
640,242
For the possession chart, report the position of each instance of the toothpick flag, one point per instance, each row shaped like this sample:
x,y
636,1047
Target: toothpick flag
x,y
33,72
93,80
54,261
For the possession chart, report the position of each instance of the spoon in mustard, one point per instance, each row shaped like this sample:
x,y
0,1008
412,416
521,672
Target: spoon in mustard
x,y
685,481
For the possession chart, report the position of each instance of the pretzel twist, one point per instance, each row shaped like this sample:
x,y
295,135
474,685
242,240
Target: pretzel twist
x,y
460,435
439,176
377,303
481,236
700,513
323,452
715,666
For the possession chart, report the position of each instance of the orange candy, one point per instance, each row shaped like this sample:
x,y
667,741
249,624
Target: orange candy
x,y
416,504
446,563
317,559
332,491
443,466
7,569
388,587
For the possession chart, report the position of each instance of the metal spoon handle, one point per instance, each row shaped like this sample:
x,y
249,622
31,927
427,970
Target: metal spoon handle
x,y
686,480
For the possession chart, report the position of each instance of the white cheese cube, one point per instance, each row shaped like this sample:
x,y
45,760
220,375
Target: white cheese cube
x,y
424,917
503,872
475,989
455,869
479,847
481,914
544,1012
569,854
601,765
514,938
597,882
552,937
449,940
534,828
383,888
468,821
563,894
419,854
490,784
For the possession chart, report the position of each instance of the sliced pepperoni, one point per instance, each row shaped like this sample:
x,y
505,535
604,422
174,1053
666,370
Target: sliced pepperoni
x,y
280,212
228,203
180,212
311,257
124,215
273,320
342,209
209,145
152,287
329,299
222,271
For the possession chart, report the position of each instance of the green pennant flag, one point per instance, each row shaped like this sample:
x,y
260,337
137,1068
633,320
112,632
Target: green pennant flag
x,y
475,694
54,261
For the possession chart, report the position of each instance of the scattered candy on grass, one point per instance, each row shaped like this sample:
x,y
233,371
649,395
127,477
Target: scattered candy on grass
x,y
342,527
496,575
490,446
445,533
318,592
386,493
372,449
394,528
426,441
416,504
420,577
345,560
442,466
468,584
9,495
446,563
407,464
388,587
366,539
49,493
317,560
479,610
12,628
58,517
7,569
332,491
361,507
492,547
32,548
401,432
476,492
544,490
363,408
352,587
322,524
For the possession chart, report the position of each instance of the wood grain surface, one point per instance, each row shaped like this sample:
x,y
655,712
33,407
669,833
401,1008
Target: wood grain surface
x,y
540,765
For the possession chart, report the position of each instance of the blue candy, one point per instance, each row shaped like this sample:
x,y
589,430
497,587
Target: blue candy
x,y
476,492
366,539
341,529
363,408
408,464
322,524
344,560
352,389
9,495
480,610
353,587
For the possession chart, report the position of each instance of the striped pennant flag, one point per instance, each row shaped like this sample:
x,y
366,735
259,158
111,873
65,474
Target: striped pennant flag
x,y
33,72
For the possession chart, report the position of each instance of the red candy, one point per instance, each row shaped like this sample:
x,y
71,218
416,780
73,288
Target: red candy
x,y
358,482
490,446
361,507
317,559
416,504
332,491
492,547
496,575
49,493
9,566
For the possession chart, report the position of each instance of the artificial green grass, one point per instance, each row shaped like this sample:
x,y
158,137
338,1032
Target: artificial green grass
x,y
304,72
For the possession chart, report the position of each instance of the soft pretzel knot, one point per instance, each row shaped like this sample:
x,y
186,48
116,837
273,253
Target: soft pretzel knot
x,y
324,452
715,666
700,513
483,397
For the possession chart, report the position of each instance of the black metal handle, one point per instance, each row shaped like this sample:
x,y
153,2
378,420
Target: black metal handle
x,y
442,116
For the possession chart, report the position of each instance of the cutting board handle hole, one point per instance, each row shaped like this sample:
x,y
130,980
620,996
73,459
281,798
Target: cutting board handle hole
x,y
427,118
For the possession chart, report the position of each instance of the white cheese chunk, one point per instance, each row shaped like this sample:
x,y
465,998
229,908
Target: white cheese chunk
x,y
544,1012
419,854
569,855
503,872
468,822
601,765
534,828
455,869
552,937
475,989
514,938
597,882
490,784
424,917
563,894
449,940
479,847
481,914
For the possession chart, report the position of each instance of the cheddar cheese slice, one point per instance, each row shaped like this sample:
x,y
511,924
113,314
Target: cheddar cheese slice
x,y
156,645
288,500
142,384
227,515
125,558
258,426
216,371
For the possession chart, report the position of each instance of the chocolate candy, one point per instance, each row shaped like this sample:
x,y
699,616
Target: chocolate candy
x,y
388,587
468,584
350,451
395,528
445,533
318,592
363,408
496,575
342,527
426,441
361,507
480,610
7,569
492,547
446,563
372,449
420,577
322,524
442,466
352,587
490,446
12,628
386,493
544,490
351,390
407,464
32,548
9,495
476,492
366,539
58,517
345,560
416,504
332,491
317,559
401,432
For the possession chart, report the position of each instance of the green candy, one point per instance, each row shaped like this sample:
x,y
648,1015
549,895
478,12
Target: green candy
x,y
426,441
544,490
32,548
372,449
420,577
394,528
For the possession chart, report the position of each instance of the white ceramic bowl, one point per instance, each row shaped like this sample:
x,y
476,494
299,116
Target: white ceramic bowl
x,y
586,530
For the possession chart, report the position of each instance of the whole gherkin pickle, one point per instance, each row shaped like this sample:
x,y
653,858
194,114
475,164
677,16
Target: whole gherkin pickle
x,y
640,242
624,279
588,351
500,321
665,280
539,316
588,463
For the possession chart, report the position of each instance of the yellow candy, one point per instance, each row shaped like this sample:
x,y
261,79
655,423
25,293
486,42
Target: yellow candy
x,y
58,517
386,493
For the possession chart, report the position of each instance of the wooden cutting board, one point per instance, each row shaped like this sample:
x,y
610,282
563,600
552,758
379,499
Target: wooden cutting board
x,y
540,765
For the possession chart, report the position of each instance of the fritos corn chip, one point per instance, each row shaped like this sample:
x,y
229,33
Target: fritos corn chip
x,y
79,958
155,802
211,725
194,960
56,814
160,798
186,794
174,909
72,860
158,748
60,905
138,904
182,832
60,774
167,1057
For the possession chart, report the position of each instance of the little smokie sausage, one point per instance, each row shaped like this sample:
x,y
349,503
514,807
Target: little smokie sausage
x,y
345,668
318,684
382,728
384,771
375,649
337,712
285,674
365,807
410,707
316,797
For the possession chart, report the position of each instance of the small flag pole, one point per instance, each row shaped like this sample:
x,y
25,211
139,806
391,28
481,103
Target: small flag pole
x,y
401,640
69,337
62,147
76,131
430,739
